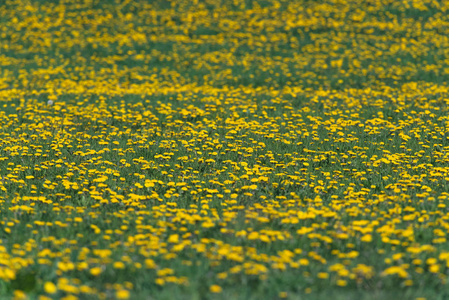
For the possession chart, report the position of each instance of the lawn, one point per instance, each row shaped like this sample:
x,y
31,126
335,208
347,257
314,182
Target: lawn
x,y
217,149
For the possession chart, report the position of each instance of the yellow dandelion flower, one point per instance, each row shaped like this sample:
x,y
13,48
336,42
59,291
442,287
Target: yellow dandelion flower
x,y
50,287
122,294
215,289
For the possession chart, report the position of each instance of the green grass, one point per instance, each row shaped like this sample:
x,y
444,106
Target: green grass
x,y
223,149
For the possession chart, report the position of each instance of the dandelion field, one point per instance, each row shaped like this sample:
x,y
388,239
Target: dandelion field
x,y
224,149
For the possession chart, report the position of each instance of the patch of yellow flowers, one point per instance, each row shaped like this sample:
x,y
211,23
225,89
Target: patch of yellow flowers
x,y
146,146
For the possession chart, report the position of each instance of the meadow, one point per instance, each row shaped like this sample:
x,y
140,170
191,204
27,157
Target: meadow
x,y
224,149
